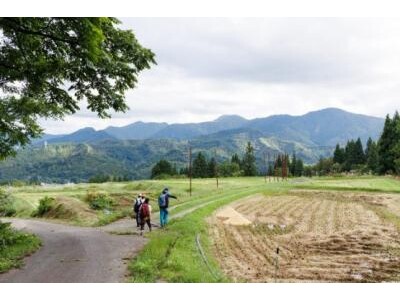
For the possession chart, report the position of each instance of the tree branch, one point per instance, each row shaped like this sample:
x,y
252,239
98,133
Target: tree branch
x,y
17,27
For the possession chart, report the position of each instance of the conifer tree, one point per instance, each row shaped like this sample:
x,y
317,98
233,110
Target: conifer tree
x,y
386,144
235,159
372,158
292,164
212,168
249,161
299,168
359,157
339,155
200,167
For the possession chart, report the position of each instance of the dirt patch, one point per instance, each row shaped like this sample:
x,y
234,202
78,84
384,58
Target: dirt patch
x,y
322,236
230,216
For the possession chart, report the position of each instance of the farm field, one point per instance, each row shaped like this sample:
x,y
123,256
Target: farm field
x,y
327,229
322,236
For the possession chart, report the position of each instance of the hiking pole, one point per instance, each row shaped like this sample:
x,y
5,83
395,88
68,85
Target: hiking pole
x,y
276,264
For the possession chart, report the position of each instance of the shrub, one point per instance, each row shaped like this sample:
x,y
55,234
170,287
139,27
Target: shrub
x,y
6,235
99,201
45,205
6,205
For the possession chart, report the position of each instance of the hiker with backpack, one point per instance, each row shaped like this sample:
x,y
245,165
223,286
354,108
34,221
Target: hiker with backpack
x,y
136,208
145,215
163,203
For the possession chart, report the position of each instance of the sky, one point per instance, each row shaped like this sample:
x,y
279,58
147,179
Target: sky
x,y
255,68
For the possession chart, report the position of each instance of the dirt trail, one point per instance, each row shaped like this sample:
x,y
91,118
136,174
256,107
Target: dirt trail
x,y
74,254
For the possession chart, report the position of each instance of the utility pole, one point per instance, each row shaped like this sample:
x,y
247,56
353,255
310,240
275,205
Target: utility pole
x,y
190,171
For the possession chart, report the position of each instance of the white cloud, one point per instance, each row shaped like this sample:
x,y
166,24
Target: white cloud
x,y
258,67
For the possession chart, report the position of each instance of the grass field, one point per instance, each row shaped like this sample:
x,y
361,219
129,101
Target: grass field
x,y
315,218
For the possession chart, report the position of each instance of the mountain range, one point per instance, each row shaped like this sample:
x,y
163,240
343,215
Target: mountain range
x,y
133,149
325,127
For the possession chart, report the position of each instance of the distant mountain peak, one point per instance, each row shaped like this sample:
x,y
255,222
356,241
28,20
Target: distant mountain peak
x,y
224,118
85,129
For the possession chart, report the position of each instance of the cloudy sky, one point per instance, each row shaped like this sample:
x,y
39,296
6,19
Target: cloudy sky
x,y
257,67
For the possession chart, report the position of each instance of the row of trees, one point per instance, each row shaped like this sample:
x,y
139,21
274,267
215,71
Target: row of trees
x,y
204,167
353,156
282,166
381,157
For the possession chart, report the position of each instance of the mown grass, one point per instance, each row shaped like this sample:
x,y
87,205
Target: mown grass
x,y
361,183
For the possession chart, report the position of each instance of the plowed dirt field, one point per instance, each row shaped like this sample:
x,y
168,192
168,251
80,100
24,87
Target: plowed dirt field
x,y
322,236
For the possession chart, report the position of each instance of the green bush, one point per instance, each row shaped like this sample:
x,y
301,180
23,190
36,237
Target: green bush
x,y
6,205
14,245
99,201
45,205
6,235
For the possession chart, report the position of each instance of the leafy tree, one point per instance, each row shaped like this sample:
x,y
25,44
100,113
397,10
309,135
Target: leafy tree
x,y
249,161
163,167
228,169
49,65
324,166
200,166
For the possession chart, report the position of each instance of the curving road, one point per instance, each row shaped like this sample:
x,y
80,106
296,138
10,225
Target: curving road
x,y
81,254
75,254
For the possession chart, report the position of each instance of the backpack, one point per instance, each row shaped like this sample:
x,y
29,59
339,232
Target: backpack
x,y
137,205
144,210
162,200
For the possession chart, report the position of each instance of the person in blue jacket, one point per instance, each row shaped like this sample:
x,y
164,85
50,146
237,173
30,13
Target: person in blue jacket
x,y
163,203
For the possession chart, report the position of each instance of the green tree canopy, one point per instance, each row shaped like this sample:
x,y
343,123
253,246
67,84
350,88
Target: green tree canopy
x,y
49,65
371,153
235,159
212,168
200,166
387,143
163,167
249,161
339,155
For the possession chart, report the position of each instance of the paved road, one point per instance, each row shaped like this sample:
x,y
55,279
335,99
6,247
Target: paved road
x,y
75,254
81,254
